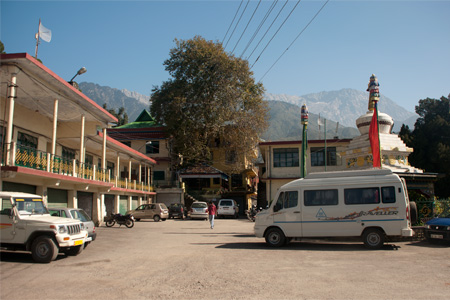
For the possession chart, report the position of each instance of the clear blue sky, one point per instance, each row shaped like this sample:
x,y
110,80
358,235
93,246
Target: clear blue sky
x,y
123,44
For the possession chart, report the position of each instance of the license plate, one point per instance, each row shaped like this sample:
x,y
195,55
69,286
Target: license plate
x,y
437,236
225,208
78,242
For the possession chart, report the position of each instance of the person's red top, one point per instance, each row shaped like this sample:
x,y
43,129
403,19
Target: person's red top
x,y
211,209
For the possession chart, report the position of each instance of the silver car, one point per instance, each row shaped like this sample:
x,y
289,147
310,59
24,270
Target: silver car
x,y
77,214
199,210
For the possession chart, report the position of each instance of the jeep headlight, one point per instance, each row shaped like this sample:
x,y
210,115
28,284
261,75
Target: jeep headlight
x,y
62,229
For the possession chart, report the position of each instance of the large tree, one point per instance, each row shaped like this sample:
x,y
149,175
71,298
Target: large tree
x,y
211,95
430,140
121,115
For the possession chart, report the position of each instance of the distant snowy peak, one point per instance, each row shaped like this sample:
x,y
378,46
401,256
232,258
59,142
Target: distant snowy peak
x,y
141,98
345,106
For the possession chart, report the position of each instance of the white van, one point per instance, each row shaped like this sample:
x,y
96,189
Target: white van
x,y
372,204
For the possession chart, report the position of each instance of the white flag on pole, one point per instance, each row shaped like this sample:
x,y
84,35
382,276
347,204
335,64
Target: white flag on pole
x,y
44,33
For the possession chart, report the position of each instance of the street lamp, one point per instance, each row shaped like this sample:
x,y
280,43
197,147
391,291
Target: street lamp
x,y
80,71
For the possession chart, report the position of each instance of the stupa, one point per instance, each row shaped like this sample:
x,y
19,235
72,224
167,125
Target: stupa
x,y
393,151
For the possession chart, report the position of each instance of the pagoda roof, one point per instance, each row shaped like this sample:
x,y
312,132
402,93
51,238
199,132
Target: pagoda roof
x,y
144,120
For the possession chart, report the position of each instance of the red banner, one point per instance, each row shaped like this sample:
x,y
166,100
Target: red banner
x,y
374,138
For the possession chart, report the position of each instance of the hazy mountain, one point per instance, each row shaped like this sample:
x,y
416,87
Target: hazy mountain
x,y
134,103
343,106
346,105
285,124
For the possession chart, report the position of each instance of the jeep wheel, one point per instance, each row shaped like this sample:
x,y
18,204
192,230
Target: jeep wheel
x,y
275,237
74,251
44,249
156,218
373,238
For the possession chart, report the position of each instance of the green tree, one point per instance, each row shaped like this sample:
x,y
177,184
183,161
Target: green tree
x,y
2,48
121,115
431,141
211,94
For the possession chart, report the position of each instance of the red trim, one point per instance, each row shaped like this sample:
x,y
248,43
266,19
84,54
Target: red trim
x,y
34,172
132,191
125,147
51,73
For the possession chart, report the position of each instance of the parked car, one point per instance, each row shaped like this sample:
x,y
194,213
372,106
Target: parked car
x,y
227,207
155,211
199,210
438,229
77,214
177,210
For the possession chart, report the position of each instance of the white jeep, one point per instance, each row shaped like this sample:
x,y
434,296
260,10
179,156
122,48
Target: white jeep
x,y
25,224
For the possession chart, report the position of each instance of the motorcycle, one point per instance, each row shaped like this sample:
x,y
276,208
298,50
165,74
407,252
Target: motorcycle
x,y
251,214
127,220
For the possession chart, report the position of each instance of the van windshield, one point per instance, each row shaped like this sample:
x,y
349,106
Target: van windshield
x,y
30,206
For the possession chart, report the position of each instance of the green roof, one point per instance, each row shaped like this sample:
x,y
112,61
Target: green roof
x,y
145,120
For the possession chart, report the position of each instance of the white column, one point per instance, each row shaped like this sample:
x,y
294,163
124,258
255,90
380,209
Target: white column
x,y
55,126
104,150
9,129
83,119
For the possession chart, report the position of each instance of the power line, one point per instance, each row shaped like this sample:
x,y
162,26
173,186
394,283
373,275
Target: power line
x,y
295,39
272,6
237,23
268,29
232,21
251,18
276,32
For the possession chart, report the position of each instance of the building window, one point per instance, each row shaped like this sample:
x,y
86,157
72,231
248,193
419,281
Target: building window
x,y
236,180
318,156
89,160
158,175
287,157
68,154
127,143
230,157
27,140
110,166
152,147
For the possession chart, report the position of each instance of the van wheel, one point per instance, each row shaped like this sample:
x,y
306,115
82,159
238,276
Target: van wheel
x,y
156,218
413,212
373,238
44,249
275,237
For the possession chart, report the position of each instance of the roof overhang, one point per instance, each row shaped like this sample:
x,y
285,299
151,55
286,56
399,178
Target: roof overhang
x,y
38,87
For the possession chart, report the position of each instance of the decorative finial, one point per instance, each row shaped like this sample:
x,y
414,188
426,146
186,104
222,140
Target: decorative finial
x,y
304,115
374,92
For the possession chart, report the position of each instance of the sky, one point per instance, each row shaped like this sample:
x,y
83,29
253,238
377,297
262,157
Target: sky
x,y
308,49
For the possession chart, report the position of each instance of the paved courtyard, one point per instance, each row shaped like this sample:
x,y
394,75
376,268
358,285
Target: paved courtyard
x,y
179,259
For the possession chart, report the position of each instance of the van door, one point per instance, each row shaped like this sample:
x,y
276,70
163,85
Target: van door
x,y
321,213
287,214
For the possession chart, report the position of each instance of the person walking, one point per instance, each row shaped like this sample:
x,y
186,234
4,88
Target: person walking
x,y
211,213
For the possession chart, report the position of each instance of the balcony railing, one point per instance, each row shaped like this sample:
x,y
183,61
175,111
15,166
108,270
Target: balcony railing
x,y
40,160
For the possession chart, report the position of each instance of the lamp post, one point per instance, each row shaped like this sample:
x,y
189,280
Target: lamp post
x,y
80,71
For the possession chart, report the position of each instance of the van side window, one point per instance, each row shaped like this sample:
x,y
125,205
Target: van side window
x,y
388,194
362,196
321,197
286,200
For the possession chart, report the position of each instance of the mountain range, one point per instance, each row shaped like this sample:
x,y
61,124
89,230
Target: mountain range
x,y
339,108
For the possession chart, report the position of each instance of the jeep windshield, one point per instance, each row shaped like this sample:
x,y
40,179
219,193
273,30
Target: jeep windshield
x,y
30,206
